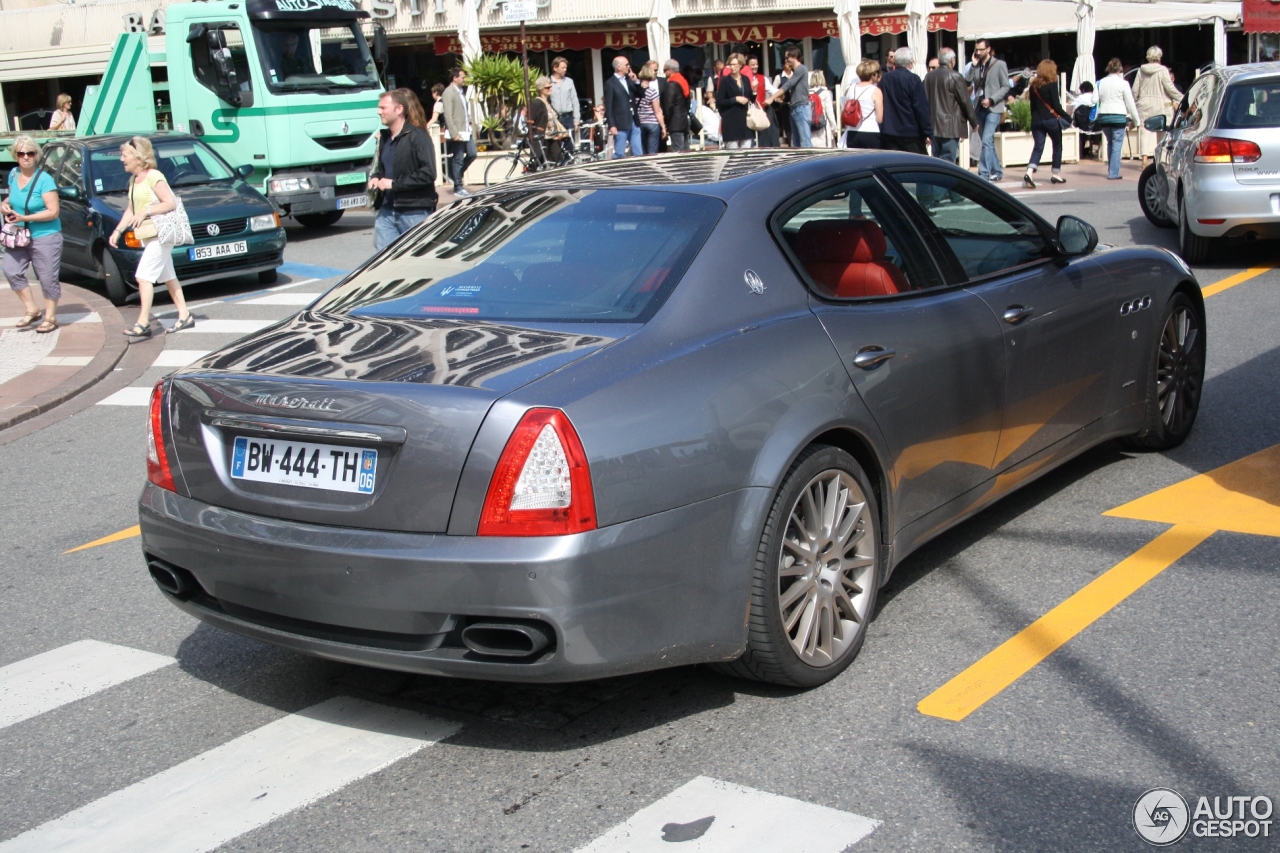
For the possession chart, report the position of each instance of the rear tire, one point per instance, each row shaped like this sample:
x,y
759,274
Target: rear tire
x,y
1175,376
319,220
1149,197
1193,248
816,574
112,280
268,276
502,169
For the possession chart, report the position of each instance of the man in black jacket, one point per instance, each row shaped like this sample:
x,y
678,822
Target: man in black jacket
x,y
621,93
906,123
950,109
674,100
405,174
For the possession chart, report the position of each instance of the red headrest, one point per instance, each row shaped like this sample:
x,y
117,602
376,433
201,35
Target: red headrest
x,y
840,241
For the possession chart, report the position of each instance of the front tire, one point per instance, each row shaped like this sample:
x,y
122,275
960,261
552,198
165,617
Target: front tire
x,y
112,280
1175,376
1151,200
816,575
319,220
1193,248
502,169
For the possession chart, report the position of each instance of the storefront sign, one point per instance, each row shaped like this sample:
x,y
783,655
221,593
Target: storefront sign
x,y
621,39
1261,16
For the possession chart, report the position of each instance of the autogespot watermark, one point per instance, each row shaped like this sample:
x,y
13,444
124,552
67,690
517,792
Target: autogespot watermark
x,y
1162,817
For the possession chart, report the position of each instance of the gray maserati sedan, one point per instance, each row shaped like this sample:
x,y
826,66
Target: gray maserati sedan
x,y
654,412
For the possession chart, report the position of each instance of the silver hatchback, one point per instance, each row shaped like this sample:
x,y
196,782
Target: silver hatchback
x,y
1216,174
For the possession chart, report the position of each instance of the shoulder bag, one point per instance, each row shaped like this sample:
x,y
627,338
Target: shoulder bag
x,y
15,235
1063,122
174,228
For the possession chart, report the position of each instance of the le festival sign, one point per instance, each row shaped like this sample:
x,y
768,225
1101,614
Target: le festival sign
x,y
621,39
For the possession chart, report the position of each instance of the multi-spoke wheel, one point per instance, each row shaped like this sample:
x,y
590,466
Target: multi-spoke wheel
x,y
816,575
1175,376
1151,198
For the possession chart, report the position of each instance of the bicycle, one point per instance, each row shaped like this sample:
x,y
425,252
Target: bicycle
x,y
524,159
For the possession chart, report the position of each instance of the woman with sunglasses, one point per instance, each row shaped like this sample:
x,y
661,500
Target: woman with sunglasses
x,y
33,204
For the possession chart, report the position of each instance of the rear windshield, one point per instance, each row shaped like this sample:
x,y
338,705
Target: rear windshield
x,y
1252,104
550,255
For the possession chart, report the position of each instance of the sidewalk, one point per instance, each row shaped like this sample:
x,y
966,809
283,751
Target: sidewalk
x,y
1085,174
38,372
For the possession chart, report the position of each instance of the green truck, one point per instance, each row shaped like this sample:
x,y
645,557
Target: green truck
x,y
289,87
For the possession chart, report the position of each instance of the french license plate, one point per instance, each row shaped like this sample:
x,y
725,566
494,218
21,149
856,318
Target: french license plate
x,y
350,178
221,250
303,463
352,201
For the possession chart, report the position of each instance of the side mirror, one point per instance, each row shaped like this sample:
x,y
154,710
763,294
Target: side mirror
x,y
1156,123
70,193
244,170
1075,236
380,50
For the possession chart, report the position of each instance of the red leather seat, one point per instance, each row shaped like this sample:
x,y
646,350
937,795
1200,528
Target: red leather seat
x,y
846,258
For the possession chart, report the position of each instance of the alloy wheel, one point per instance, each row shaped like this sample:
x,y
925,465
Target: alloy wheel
x,y
1177,369
826,568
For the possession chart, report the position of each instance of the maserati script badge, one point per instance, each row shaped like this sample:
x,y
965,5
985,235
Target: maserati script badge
x,y
753,281
284,401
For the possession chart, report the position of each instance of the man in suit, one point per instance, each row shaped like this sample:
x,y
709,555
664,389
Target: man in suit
x,y
457,130
950,109
989,78
621,93
906,123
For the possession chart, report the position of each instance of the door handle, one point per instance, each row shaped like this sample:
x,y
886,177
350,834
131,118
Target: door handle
x,y
1015,314
869,358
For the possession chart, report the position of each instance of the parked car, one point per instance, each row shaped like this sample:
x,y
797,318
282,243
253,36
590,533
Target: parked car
x,y
1216,173
237,231
653,412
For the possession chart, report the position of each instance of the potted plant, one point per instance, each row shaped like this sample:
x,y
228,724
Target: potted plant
x,y
1013,146
499,82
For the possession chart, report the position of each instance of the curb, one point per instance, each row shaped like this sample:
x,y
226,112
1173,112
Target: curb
x,y
113,349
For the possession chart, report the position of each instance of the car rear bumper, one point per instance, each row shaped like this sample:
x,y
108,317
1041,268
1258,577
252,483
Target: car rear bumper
x,y
664,590
1243,208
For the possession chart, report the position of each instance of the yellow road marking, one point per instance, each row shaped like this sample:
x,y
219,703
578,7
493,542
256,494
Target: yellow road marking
x,y
971,689
106,540
1233,280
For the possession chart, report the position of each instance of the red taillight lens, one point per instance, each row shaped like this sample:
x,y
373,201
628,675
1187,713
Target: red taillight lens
x,y
157,460
542,485
1217,149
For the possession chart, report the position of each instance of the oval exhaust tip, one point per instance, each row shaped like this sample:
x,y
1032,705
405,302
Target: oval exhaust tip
x,y
506,639
167,579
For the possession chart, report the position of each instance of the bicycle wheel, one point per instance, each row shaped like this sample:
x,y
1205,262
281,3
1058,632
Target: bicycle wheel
x,y
502,169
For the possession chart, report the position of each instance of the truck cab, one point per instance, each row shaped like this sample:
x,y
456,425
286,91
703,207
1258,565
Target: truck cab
x,y
289,87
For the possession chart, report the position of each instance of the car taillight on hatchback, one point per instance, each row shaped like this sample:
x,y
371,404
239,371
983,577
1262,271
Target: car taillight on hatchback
x,y
158,470
1218,149
542,485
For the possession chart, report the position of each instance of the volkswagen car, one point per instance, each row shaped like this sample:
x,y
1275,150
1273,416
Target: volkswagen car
x,y
652,412
237,231
1216,174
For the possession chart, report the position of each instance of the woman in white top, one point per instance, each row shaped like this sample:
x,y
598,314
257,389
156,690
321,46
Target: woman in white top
x,y
868,94
62,118
1116,111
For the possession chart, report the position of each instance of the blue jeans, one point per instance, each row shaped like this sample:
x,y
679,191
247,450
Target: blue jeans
x,y
390,224
651,134
631,136
801,131
1039,130
1115,145
946,149
988,163
461,156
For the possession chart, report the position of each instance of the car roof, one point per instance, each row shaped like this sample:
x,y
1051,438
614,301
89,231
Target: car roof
x,y
719,173
1252,71
115,140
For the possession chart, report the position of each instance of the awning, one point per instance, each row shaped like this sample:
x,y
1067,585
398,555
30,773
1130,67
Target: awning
x,y
1261,16
64,61
997,19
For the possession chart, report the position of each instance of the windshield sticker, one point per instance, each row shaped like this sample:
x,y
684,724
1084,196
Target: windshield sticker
x,y
463,290
313,5
640,208
97,184
625,226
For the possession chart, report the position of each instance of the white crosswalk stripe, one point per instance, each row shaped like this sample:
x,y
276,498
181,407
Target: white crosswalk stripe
x,y
710,816
212,798
39,684
135,395
178,357
283,299
226,327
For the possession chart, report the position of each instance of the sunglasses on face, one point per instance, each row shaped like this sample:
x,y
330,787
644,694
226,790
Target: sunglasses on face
x,y
26,153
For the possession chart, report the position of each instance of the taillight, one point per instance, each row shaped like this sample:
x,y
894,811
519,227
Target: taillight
x,y
1217,149
158,470
542,485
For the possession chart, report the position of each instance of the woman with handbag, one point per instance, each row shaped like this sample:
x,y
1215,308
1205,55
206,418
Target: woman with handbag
x,y
32,236
1048,118
734,96
149,197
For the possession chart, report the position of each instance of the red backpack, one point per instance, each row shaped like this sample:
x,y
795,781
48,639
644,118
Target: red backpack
x,y
852,114
817,121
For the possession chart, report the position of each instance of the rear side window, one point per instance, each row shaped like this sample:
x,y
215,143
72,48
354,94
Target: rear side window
x,y
1252,104
553,255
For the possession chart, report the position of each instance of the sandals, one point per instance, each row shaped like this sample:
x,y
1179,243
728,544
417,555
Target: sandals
x,y
185,323
46,327
138,331
29,320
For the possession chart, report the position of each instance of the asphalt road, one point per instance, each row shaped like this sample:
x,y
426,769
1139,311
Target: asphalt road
x,y
211,739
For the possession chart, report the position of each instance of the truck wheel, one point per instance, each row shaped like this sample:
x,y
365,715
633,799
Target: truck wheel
x,y
112,280
816,574
319,220
1193,248
1152,200
268,276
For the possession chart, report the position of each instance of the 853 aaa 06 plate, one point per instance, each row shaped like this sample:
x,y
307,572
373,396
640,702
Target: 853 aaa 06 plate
x,y
303,463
